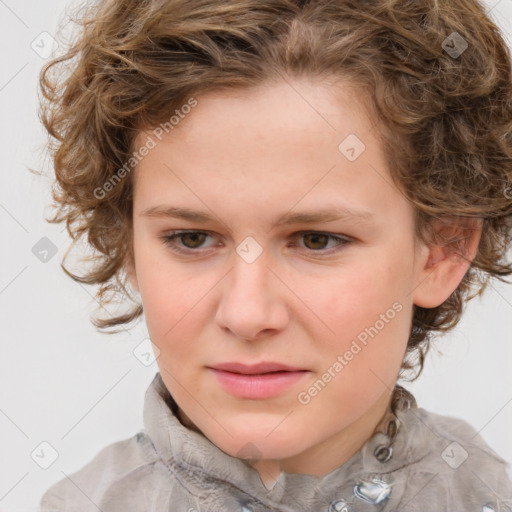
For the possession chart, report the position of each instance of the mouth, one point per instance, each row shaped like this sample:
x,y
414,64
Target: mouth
x,y
258,381
256,369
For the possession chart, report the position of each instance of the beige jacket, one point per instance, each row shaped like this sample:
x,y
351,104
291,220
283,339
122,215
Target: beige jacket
x,y
438,464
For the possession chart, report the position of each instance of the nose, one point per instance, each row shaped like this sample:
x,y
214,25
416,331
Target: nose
x,y
253,302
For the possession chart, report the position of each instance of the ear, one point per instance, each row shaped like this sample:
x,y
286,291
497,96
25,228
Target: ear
x,y
445,261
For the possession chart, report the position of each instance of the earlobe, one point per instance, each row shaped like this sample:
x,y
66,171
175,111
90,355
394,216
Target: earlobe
x,y
443,265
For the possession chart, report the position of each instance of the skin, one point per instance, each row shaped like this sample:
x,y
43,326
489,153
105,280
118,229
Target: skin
x,y
247,157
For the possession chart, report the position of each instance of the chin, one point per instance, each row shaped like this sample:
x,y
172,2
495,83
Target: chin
x,y
258,445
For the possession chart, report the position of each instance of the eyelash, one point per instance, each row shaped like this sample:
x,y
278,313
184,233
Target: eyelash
x,y
169,241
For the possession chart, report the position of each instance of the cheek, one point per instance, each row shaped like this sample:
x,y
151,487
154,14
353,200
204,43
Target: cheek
x,y
172,322
365,359
167,297
352,299
366,308
166,291
168,307
175,303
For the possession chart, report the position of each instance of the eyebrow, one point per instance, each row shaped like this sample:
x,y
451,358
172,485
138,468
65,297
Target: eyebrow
x,y
304,217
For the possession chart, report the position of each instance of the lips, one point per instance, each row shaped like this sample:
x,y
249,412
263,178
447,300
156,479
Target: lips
x,y
257,381
255,369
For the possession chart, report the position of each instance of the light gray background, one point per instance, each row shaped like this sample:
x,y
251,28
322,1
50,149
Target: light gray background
x,y
64,383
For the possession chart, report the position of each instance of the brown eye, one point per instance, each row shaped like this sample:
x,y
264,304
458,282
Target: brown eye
x,y
192,240
322,243
316,241
185,242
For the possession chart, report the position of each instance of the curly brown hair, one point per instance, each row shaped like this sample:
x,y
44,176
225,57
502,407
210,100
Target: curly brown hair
x,y
436,73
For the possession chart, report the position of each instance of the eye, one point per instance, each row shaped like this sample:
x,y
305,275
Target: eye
x,y
192,241
316,241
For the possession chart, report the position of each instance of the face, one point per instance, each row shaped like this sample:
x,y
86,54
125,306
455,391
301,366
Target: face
x,y
301,254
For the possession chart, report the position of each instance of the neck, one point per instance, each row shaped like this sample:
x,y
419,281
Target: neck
x,y
330,454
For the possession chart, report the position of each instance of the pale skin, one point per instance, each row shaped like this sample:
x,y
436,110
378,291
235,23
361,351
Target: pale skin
x,y
247,158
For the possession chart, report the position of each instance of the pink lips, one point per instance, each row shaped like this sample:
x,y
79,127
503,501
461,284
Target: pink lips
x,y
258,381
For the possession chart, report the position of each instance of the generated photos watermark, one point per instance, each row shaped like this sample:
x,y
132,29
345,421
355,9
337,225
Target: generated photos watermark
x,y
149,144
357,345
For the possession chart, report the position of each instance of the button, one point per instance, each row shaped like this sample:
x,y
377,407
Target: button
x,y
383,453
373,492
338,506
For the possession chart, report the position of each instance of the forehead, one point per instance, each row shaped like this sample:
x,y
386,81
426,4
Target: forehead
x,y
269,148
269,114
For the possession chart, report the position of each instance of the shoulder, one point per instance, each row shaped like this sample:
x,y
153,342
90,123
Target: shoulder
x,y
461,444
454,468
117,470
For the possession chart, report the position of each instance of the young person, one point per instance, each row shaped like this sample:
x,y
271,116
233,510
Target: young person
x,y
298,196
